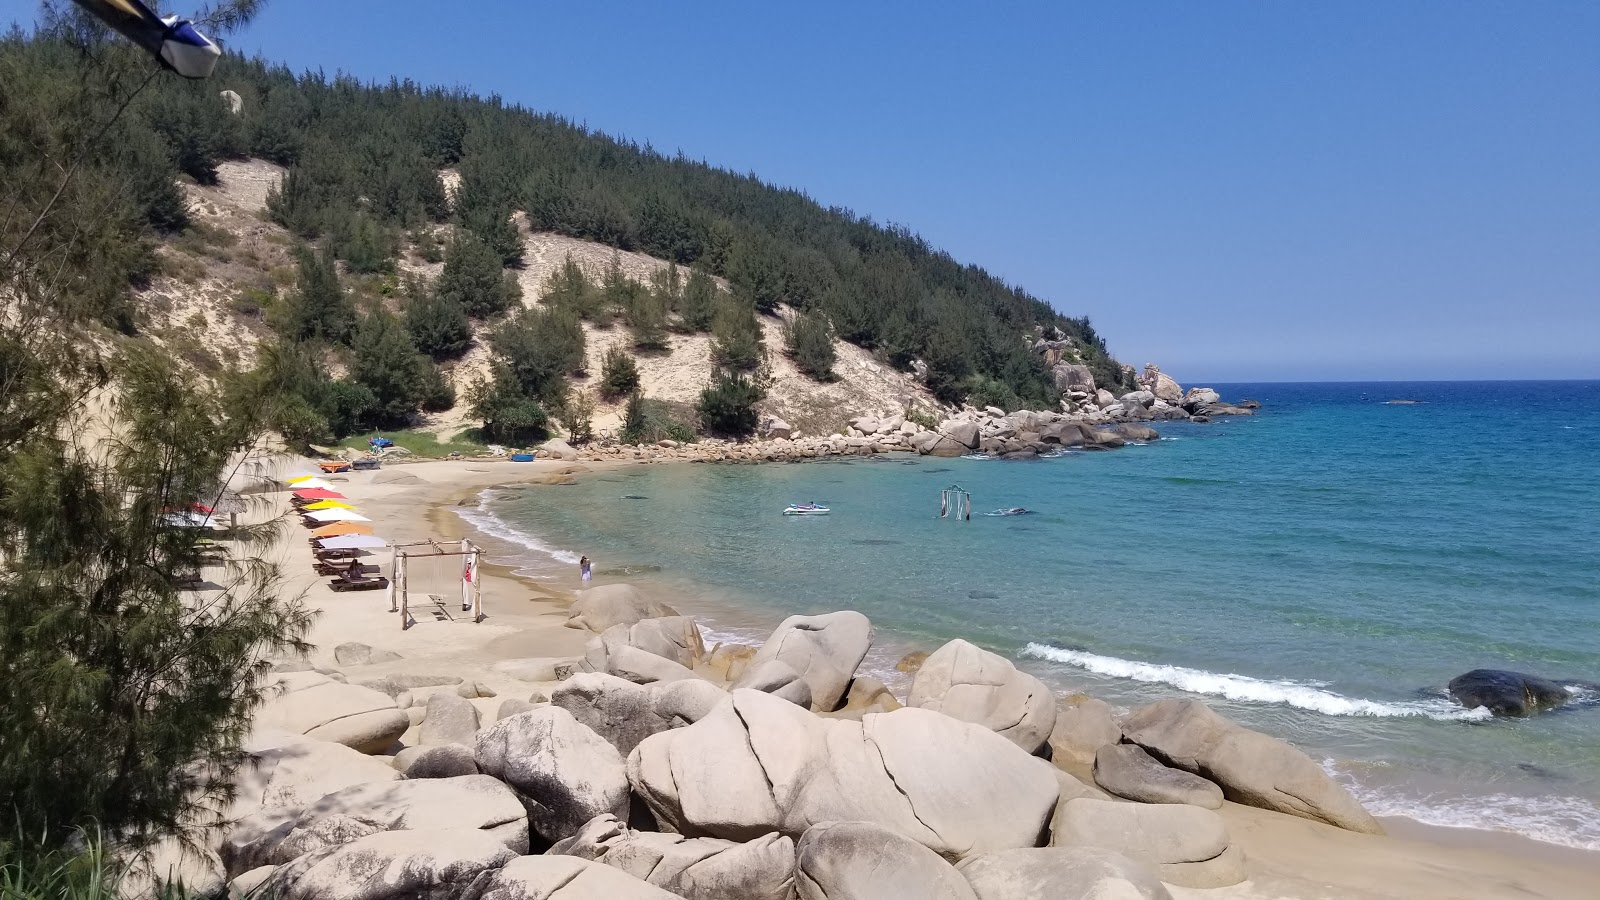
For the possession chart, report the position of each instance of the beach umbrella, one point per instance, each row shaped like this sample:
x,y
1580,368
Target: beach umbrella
x,y
327,504
187,520
352,542
174,42
313,494
309,483
336,515
338,528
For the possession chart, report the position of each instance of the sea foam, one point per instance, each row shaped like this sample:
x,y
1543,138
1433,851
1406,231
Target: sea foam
x,y
1244,689
483,519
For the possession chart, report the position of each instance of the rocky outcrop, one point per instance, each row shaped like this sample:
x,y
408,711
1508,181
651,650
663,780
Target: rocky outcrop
x,y
969,683
560,878
564,773
661,649
862,861
825,650
1083,725
1069,377
867,695
449,719
692,868
1161,384
962,432
354,654
538,668
1197,399
778,678
390,865
1186,845
727,662
323,709
468,803
759,764
1127,771
1250,767
599,608
284,771
1507,694
1061,873
625,713
444,761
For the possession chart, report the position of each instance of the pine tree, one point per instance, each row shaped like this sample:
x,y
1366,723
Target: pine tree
x,y
810,344
439,326
736,336
647,319
508,414
619,376
728,404
570,289
387,364
474,278
541,348
319,309
699,304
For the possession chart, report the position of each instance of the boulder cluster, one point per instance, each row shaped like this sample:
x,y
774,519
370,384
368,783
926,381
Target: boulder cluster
x,y
652,767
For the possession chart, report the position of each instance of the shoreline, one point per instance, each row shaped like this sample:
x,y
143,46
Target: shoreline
x,y
1299,858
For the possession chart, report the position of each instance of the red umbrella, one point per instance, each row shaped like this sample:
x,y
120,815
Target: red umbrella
x,y
318,494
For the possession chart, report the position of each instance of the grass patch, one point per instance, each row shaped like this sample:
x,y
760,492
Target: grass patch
x,y
422,443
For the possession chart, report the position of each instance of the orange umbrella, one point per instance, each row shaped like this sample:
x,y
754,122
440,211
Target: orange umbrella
x,y
339,528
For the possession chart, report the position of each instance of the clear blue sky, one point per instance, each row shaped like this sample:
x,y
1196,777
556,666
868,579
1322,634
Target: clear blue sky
x,y
1238,191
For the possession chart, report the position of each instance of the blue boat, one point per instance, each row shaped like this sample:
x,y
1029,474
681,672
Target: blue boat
x,y
522,457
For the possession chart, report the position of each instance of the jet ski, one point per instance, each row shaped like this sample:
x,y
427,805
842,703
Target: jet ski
x,y
1013,511
806,509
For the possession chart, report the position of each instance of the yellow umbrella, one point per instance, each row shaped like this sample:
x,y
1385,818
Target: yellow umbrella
x,y
328,504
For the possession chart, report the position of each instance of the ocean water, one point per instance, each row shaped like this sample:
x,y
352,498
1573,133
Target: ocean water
x,y
1319,572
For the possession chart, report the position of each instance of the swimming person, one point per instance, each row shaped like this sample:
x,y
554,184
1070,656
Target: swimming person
x,y
587,568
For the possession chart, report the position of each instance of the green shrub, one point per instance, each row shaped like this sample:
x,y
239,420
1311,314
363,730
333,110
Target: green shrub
x,y
647,420
810,342
647,319
728,405
571,290
439,325
319,308
577,417
736,336
474,277
619,375
541,347
698,305
509,416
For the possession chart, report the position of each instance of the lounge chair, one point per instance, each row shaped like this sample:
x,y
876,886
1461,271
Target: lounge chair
x,y
331,568
359,584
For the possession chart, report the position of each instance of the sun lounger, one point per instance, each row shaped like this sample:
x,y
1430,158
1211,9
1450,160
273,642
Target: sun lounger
x,y
337,568
359,584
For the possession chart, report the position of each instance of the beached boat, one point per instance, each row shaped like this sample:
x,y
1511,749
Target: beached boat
x,y
806,509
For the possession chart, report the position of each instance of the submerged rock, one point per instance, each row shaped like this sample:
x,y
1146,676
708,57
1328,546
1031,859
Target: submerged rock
x,y
1510,694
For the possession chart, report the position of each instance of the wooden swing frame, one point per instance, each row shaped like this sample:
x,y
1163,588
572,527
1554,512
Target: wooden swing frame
x,y
399,578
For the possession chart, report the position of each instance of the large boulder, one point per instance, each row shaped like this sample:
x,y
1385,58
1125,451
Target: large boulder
x,y
390,865
965,681
759,764
1069,377
1061,873
560,878
1161,384
863,861
599,608
1199,398
1510,694
1137,398
467,803
1250,767
614,654
449,719
320,708
537,668
1127,771
1186,845
1083,726
943,446
558,449
727,662
964,433
284,771
693,868
564,772
441,761
356,654
671,637
824,649
1130,431
625,713
778,678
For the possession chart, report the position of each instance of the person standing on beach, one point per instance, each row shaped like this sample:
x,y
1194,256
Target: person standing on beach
x,y
587,568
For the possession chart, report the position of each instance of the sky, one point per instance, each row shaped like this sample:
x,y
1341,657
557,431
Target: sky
x,y
1238,191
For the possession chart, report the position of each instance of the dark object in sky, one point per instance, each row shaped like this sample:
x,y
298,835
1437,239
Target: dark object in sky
x,y
173,41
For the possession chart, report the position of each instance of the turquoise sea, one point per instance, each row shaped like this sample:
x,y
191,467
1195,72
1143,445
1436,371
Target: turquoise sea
x,y
1319,572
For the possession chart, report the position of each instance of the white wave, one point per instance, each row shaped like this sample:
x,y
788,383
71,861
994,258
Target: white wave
x,y
481,518
1243,688
1565,821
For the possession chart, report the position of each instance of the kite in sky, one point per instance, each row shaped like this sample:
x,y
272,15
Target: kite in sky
x,y
173,41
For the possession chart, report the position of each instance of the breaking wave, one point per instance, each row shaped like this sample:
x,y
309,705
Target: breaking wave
x,y
1244,689
483,519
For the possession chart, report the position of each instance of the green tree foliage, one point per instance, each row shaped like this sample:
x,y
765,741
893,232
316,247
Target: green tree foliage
x,y
475,279
810,344
123,696
634,419
484,205
728,404
617,292
736,335
757,272
540,348
439,325
699,303
509,415
647,320
387,363
619,376
577,417
365,244
319,308
569,289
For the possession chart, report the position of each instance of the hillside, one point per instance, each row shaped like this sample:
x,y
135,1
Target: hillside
x,y
361,256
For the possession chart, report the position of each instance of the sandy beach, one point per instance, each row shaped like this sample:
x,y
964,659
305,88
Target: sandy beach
x,y
1288,857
